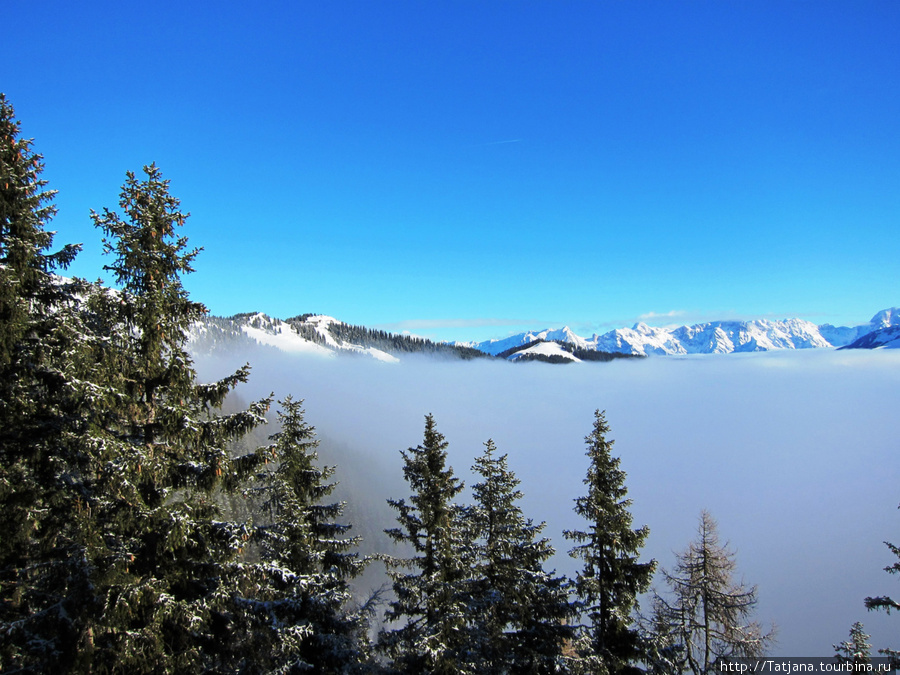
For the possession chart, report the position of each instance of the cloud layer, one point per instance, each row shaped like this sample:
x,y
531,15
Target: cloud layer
x,y
795,453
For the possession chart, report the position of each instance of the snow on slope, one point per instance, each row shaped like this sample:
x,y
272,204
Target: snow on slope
x,y
545,349
286,337
716,337
277,333
883,338
563,334
311,334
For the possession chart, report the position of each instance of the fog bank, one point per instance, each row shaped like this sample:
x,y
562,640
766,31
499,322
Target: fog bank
x,y
794,453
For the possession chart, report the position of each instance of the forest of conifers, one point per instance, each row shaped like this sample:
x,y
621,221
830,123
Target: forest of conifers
x,y
125,544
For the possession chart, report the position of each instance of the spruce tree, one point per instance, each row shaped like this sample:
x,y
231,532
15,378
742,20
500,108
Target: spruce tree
x,y
519,612
44,575
27,291
301,616
856,650
707,618
429,587
165,559
612,577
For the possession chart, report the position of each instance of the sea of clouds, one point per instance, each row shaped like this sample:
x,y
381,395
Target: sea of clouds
x,y
794,453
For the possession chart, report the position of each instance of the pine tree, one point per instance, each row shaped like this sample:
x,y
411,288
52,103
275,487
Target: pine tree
x,y
44,577
520,613
857,649
429,587
612,577
707,618
301,617
165,560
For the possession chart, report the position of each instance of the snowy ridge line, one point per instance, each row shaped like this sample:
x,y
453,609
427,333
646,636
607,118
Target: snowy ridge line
x,y
716,337
309,334
314,334
325,336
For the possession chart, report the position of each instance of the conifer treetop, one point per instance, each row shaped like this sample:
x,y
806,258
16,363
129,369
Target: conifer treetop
x,y
25,210
612,576
150,258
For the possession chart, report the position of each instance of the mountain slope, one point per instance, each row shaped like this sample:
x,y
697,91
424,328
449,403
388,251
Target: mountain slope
x,y
887,338
315,334
326,336
716,337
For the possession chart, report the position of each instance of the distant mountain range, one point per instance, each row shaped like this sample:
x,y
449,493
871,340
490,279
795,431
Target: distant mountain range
x,y
716,337
327,336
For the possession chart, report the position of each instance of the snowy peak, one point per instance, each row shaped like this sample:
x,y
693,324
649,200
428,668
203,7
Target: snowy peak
x,y
313,334
544,351
888,338
715,337
495,347
840,336
886,318
322,335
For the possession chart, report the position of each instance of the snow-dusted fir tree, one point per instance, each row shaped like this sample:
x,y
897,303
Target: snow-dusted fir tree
x,y
520,613
856,650
43,439
708,615
427,631
301,616
162,456
612,577
26,207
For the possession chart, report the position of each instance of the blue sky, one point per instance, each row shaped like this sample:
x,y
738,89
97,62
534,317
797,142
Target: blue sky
x,y
465,170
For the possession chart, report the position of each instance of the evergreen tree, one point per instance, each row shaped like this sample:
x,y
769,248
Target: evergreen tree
x,y
166,562
707,619
429,587
44,577
301,615
857,649
612,577
520,612
27,293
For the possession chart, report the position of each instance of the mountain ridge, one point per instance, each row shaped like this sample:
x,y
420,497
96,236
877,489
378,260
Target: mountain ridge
x,y
713,337
326,336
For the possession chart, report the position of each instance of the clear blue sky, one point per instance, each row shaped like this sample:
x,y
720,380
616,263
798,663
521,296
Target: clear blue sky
x,y
470,169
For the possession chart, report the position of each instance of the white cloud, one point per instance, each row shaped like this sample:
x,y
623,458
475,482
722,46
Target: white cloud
x,y
794,453
431,324
655,316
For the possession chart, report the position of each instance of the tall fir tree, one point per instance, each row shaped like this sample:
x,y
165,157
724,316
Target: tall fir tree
x,y
302,616
27,291
44,398
430,587
166,560
611,579
708,615
520,613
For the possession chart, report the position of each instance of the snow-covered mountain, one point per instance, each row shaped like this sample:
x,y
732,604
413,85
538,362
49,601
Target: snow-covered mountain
x,y
495,347
291,336
888,337
716,337
329,337
315,334
544,351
